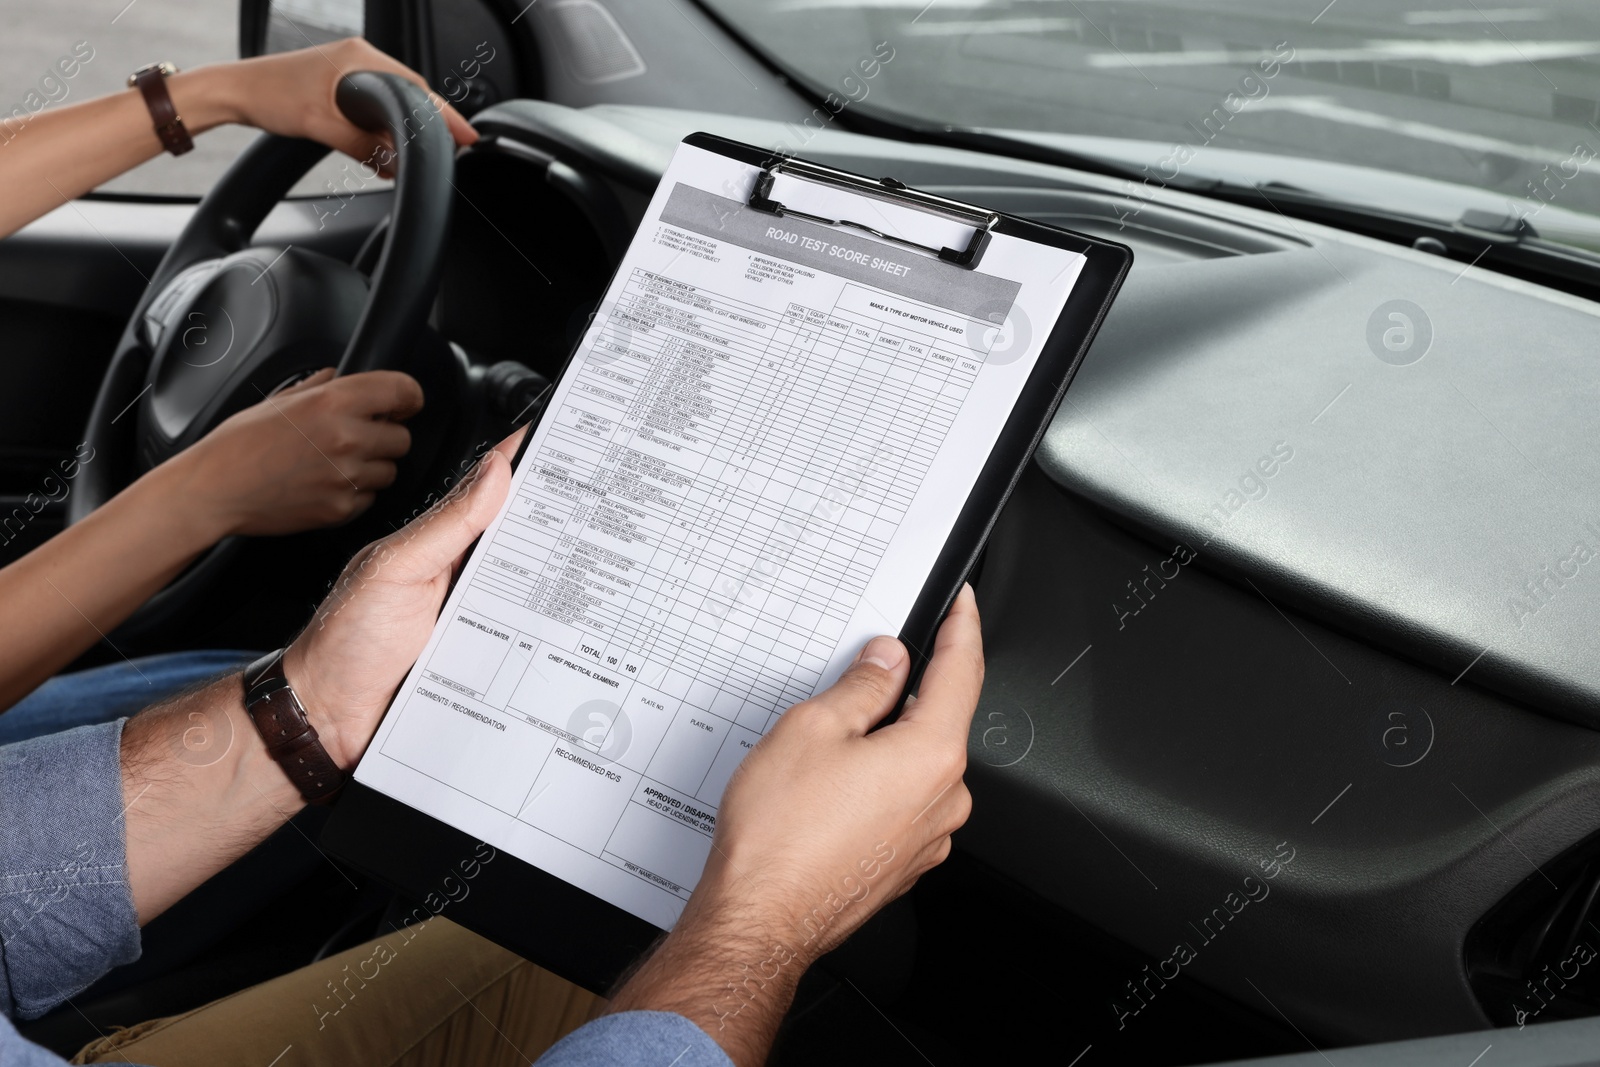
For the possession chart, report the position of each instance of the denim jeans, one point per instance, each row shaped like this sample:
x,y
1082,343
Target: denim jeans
x,y
101,694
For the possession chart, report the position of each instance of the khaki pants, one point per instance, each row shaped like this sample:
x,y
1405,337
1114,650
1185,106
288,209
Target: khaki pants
x,y
432,994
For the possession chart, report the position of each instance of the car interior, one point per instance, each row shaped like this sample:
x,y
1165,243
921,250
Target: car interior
x,y
1288,738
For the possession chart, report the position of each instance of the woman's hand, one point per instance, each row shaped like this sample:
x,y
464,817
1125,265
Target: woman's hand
x,y
312,455
292,93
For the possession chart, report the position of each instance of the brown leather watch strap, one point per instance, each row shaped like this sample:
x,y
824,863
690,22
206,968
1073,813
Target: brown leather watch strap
x,y
281,720
151,82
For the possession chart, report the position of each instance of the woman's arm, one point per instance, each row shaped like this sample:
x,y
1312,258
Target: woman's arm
x,y
313,455
64,152
305,458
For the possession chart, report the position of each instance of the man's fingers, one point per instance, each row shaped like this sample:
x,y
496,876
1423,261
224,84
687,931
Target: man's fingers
x,y
430,544
390,393
950,686
867,692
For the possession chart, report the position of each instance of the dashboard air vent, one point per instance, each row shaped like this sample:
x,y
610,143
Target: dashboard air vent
x,y
1535,956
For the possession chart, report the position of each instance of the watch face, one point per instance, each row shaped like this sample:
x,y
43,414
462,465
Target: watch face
x,y
166,67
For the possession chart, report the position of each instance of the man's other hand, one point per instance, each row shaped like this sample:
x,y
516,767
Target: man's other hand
x,y
825,822
822,825
187,818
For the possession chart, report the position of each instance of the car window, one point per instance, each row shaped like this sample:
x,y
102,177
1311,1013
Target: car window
x,y
106,41
1501,100
295,24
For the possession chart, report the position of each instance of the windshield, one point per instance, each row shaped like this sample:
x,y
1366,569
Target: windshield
x,y
1504,100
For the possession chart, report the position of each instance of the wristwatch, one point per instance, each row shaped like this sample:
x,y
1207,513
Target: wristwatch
x,y
281,720
151,81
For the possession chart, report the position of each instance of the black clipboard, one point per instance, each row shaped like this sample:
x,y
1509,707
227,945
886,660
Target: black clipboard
x,y
580,937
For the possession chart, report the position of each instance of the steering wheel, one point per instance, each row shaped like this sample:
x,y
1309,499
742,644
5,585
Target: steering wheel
x,y
224,324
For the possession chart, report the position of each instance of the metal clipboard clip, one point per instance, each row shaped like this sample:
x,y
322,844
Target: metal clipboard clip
x,y
889,191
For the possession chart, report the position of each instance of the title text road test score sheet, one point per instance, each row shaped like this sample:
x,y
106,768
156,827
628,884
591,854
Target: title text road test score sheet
x,y
746,473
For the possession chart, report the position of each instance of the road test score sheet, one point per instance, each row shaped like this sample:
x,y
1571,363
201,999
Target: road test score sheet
x,y
746,472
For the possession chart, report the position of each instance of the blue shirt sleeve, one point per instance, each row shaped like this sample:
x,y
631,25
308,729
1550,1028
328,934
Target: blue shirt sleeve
x,y
637,1037
17,1052
66,909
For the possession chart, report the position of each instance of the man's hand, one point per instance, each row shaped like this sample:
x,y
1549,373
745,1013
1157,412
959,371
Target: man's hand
x,y
313,455
199,785
292,93
824,816
372,627
823,824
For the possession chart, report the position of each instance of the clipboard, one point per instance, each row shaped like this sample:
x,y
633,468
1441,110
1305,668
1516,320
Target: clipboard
x,y
581,937
887,190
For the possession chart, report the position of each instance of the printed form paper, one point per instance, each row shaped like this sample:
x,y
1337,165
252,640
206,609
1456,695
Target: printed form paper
x,y
746,472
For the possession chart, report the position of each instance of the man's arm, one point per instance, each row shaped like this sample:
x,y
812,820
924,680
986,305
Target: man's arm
x,y
65,152
65,912
104,827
